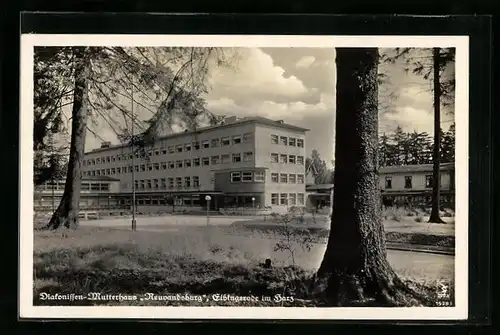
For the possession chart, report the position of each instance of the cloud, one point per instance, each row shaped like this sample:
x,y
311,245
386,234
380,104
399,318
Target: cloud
x,y
411,119
255,77
305,62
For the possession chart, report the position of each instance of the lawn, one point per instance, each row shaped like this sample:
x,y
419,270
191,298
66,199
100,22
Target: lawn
x,y
195,260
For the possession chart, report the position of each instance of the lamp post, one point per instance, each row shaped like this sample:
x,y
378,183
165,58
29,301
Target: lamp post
x,y
207,199
134,223
41,202
109,202
253,205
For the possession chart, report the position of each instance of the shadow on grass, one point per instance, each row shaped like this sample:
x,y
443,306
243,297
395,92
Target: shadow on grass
x,y
119,269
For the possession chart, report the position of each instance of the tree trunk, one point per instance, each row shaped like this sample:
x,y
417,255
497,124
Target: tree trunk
x,y
355,264
67,212
436,175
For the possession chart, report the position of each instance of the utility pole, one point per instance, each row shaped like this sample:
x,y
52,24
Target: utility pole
x,y
134,223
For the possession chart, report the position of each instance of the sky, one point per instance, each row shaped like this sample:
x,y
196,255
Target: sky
x,y
297,85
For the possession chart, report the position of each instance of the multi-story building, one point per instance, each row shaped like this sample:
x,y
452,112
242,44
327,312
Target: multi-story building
x,y
413,183
250,161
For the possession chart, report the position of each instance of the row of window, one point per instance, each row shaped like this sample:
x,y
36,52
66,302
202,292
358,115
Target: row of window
x,y
287,178
287,159
85,186
197,145
409,182
287,199
288,141
247,176
178,164
168,183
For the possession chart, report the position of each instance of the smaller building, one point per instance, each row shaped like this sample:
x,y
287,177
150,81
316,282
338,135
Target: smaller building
x,y
412,184
97,192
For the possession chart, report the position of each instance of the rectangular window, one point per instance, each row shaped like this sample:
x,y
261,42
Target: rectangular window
x,y
130,168
428,181
196,145
235,177
300,179
215,142
178,164
130,156
171,149
283,199
226,159
205,144
226,141
196,162
187,147
248,156
292,178
408,183
236,158
300,160
283,159
196,181
157,152
178,148
136,184
274,139
119,157
150,167
157,184
136,168
205,161
300,143
163,165
156,166
113,171
388,182
178,182
259,176
292,199
236,139
215,160
163,151
187,163
291,159
150,184
274,177
246,177
113,158
291,141
300,198
163,183
171,165
283,178
283,140
108,172
187,182
275,158
247,137
274,199
170,183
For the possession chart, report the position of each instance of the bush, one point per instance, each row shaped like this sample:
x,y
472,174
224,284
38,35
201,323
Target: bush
x,y
419,219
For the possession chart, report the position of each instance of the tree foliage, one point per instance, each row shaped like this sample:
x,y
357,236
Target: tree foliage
x,y
402,148
319,169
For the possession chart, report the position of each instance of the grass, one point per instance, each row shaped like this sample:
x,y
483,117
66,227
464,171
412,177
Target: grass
x,y
198,262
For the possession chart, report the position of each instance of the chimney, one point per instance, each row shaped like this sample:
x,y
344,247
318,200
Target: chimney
x,y
105,144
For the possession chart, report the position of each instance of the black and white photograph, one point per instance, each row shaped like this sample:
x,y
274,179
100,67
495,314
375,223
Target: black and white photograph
x,y
244,176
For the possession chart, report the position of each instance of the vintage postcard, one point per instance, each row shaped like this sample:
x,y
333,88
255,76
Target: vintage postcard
x,y
244,177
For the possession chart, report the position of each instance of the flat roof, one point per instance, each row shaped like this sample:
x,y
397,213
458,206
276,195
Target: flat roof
x,y
415,168
92,178
244,120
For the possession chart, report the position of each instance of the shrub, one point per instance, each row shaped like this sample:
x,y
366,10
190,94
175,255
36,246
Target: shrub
x,y
419,219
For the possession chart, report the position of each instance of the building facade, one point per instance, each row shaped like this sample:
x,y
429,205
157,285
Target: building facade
x,y
97,192
239,163
413,183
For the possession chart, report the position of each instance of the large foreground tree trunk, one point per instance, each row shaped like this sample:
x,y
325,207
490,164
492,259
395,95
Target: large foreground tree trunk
x,y
67,212
355,264
436,175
